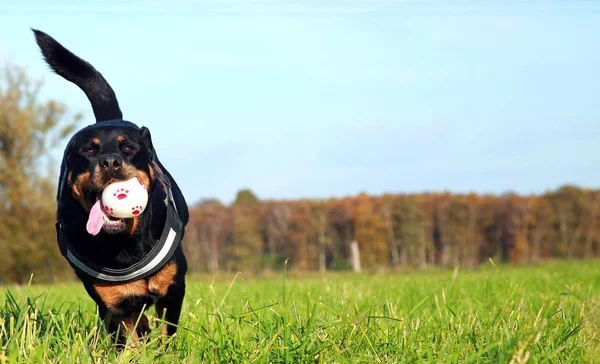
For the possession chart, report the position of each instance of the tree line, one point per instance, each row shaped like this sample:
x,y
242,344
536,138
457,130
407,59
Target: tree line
x,y
393,230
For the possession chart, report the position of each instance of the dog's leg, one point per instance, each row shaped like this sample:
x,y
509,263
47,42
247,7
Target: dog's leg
x,y
168,308
112,325
107,316
135,324
121,307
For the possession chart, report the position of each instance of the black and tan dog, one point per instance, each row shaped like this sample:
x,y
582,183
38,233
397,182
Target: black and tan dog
x,y
133,263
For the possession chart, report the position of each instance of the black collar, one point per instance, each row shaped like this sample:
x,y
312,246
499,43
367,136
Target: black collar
x,y
158,257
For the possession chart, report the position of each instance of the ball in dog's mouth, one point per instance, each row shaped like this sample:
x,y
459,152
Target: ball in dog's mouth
x,y
99,220
112,206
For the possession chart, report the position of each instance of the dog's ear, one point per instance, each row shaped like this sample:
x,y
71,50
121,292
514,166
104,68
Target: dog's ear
x,y
147,138
69,66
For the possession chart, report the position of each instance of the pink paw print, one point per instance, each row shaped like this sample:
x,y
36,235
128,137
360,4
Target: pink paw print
x,y
136,210
121,193
109,210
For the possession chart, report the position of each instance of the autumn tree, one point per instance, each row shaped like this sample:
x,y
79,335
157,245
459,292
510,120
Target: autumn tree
x,y
491,245
512,216
246,198
410,231
29,129
302,237
440,227
243,249
277,225
341,224
462,231
386,208
207,229
542,236
370,231
318,212
592,237
573,210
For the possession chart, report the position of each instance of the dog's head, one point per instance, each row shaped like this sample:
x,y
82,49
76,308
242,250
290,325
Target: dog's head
x,y
103,153
109,150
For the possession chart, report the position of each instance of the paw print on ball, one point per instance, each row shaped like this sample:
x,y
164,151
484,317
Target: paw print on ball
x,y
121,193
136,210
109,210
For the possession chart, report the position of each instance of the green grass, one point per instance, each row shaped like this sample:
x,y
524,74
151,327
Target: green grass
x,y
547,313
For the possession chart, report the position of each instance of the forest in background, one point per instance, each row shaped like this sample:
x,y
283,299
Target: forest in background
x,y
362,232
393,231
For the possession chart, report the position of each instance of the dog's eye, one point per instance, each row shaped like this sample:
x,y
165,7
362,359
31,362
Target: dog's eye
x,y
128,149
90,151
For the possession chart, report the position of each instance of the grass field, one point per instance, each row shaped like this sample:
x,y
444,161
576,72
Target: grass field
x,y
547,313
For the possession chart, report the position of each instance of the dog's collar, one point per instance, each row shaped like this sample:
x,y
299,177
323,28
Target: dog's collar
x,y
159,255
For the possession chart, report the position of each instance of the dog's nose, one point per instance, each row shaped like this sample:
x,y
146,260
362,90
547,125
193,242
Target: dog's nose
x,y
110,163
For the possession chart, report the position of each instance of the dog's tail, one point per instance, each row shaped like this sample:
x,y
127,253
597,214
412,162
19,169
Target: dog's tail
x,y
66,64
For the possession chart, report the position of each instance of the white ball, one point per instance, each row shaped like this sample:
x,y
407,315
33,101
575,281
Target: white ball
x,y
125,199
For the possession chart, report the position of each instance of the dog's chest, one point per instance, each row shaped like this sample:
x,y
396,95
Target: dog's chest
x,y
141,292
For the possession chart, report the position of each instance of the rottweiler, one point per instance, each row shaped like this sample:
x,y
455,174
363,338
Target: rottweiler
x,y
126,265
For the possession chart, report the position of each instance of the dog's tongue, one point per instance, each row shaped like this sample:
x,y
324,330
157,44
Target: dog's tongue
x,y
96,219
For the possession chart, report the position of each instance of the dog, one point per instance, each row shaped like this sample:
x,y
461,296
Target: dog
x,y
127,265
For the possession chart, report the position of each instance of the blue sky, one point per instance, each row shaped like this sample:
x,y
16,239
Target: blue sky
x,y
322,98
